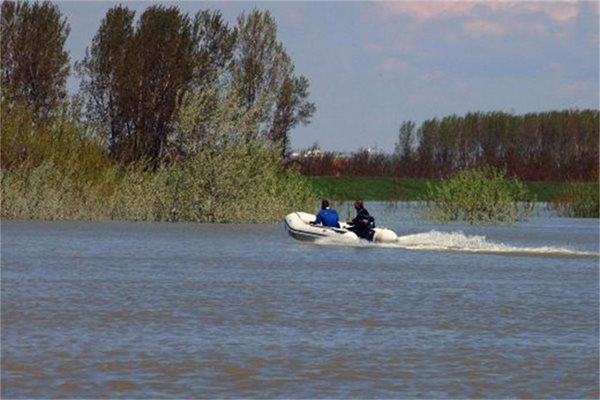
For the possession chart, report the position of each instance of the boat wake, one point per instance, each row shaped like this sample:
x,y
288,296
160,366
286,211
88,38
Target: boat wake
x,y
460,242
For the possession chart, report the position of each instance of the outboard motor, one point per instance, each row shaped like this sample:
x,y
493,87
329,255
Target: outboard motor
x,y
365,228
371,227
371,222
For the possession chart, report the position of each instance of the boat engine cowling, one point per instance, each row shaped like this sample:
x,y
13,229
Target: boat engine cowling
x,y
383,235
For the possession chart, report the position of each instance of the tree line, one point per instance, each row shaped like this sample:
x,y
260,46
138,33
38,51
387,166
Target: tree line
x,y
558,145
160,86
165,84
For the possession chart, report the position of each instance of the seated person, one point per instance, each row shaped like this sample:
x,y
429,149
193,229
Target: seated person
x,y
363,223
327,216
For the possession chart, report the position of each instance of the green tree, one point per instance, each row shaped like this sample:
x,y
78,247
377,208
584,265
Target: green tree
x,y
34,64
291,109
215,43
211,117
263,73
261,63
427,134
210,103
403,149
557,145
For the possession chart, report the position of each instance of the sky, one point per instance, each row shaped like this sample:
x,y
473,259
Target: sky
x,y
372,65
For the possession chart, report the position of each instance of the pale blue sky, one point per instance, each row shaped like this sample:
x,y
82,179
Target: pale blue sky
x,y
372,65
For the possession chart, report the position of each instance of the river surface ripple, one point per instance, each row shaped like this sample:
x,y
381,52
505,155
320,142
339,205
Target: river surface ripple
x,y
147,310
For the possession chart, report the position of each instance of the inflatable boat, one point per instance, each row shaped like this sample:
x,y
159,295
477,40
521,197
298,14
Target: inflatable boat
x,y
298,226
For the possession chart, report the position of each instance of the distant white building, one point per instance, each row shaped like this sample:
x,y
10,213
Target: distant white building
x,y
313,153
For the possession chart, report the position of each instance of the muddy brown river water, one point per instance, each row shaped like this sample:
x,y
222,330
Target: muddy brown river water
x,y
151,310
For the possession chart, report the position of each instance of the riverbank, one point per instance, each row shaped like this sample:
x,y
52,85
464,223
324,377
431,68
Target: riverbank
x,y
410,189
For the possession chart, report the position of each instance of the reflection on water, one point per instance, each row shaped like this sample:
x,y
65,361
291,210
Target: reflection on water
x,y
126,310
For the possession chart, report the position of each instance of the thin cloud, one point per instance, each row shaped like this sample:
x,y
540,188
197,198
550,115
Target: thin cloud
x,y
503,26
561,12
396,66
485,27
423,11
428,10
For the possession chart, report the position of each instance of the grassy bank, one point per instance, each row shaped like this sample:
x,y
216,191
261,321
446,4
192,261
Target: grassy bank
x,y
391,189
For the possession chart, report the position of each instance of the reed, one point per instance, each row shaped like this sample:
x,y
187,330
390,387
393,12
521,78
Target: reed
x,y
578,200
197,190
59,172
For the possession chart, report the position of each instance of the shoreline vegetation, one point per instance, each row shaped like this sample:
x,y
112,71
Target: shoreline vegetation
x,y
184,118
178,117
214,188
54,172
568,199
389,189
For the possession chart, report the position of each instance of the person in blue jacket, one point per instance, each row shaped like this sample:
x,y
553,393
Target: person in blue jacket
x,y
327,216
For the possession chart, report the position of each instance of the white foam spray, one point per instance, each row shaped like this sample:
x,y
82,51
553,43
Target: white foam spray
x,y
460,242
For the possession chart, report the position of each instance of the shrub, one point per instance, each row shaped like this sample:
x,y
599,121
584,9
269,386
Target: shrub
x,y
481,195
580,200
242,182
59,170
239,183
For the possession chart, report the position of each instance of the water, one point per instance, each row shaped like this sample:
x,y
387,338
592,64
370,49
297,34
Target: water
x,y
148,310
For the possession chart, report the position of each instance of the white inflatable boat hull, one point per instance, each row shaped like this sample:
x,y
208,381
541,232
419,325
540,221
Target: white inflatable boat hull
x,y
298,226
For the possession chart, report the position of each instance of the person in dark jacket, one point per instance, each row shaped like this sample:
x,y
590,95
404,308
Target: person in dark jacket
x,y
363,223
327,216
